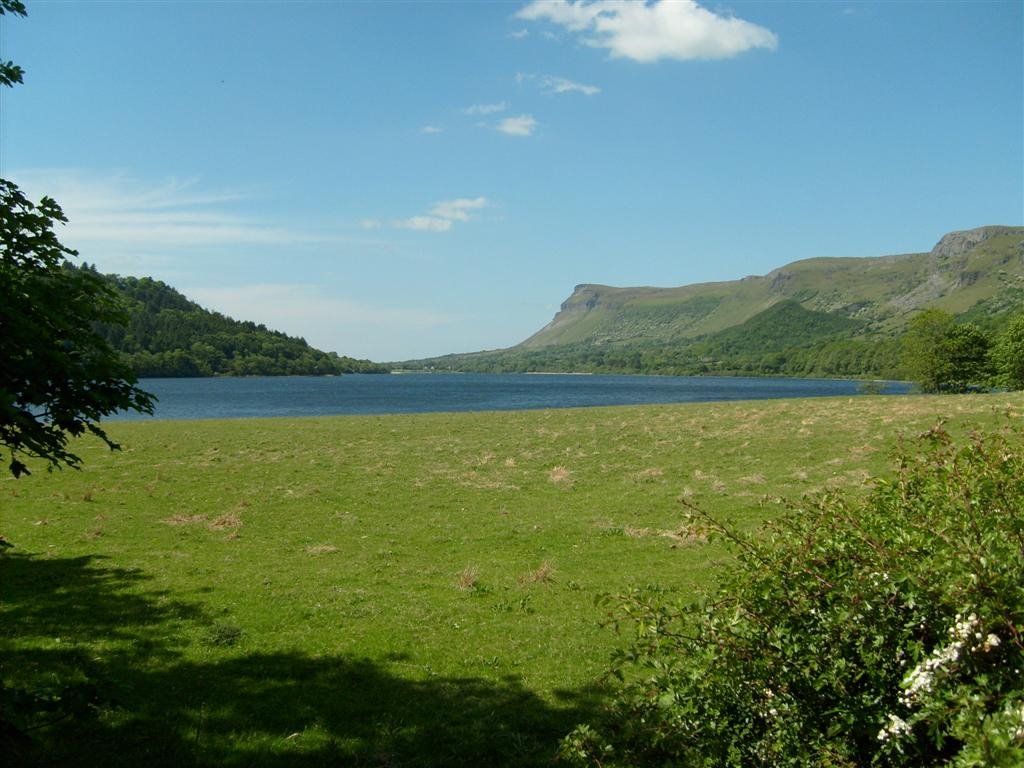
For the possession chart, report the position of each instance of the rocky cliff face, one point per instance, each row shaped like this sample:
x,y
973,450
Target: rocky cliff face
x,y
958,243
584,296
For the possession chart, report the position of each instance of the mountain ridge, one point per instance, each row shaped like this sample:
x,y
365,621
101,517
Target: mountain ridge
x,y
856,306
939,277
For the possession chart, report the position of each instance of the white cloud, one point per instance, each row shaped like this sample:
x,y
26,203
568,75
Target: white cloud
x,y
650,31
458,210
519,34
523,125
443,215
370,223
116,211
485,109
423,224
431,129
553,85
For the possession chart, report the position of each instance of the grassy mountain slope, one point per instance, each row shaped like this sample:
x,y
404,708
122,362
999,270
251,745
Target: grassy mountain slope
x,y
815,317
964,268
167,334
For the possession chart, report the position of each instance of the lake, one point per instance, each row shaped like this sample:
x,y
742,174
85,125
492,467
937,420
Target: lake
x,y
260,396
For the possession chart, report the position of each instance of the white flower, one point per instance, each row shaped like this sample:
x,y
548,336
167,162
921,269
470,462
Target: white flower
x,y
921,679
897,727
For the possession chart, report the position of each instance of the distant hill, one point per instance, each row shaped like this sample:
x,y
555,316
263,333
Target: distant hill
x,y
821,316
169,335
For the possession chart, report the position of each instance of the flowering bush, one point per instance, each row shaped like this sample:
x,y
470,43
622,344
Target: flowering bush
x,y
884,631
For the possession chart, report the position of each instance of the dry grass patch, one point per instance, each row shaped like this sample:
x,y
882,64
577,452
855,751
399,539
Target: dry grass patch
x,y
687,533
559,475
755,479
862,450
321,549
184,519
226,521
542,574
467,578
648,475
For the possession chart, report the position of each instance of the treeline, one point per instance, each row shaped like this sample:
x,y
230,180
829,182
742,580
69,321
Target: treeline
x,y
784,340
844,358
943,355
937,351
167,335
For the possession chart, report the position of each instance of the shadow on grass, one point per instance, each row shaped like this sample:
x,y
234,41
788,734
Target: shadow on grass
x,y
95,674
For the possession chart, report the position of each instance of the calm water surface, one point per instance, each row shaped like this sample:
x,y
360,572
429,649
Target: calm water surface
x,y
260,396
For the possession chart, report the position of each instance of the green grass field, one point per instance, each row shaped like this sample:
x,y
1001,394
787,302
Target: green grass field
x,y
388,590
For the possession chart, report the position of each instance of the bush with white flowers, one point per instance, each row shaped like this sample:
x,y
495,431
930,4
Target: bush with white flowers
x,y
887,631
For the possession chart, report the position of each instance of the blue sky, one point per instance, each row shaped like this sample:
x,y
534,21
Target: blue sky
x,y
395,180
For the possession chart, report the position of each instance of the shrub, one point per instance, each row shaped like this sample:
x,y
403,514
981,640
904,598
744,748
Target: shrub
x,y
885,631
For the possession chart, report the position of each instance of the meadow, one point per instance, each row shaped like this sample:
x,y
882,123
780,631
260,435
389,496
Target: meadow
x,y
388,590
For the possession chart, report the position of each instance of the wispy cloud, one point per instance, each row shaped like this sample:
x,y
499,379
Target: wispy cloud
x,y
431,129
523,125
118,211
650,31
370,224
423,223
293,307
348,326
443,215
518,34
458,210
553,85
485,109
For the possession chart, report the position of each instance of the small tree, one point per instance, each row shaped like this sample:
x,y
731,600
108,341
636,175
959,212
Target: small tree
x,y
943,357
965,349
1008,355
923,349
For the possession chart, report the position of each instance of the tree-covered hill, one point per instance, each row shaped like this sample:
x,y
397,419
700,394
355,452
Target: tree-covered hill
x,y
785,339
167,334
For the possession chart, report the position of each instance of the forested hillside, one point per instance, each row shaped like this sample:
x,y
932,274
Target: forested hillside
x,y
169,335
784,340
